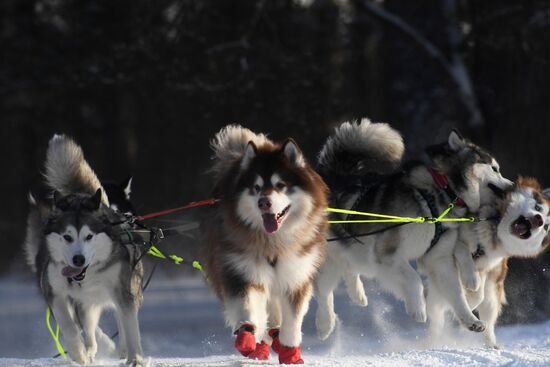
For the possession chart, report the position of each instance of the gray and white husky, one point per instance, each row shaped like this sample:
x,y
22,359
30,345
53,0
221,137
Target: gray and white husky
x,y
516,226
361,162
81,267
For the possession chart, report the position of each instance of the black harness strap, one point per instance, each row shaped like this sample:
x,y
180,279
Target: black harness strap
x,y
439,229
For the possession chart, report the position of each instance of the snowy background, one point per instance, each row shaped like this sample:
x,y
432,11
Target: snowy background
x,y
182,325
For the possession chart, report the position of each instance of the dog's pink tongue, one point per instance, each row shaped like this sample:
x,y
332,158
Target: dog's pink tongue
x,y
270,223
519,228
69,271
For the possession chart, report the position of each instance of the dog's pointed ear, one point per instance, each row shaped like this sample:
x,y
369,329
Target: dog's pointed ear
x,y
94,202
293,153
456,142
127,186
499,193
249,155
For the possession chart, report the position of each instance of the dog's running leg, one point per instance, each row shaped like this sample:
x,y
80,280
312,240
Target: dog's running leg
x,y
122,350
398,276
355,288
294,306
241,312
444,276
435,308
70,330
466,267
89,318
488,310
325,283
128,314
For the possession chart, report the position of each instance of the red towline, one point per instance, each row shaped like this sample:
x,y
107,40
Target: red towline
x,y
192,204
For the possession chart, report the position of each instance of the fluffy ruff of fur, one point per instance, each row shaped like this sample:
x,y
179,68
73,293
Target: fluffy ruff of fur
x,y
81,267
264,242
518,227
357,161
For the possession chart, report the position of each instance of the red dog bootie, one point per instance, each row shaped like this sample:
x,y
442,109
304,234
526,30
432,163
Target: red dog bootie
x,y
276,343
246,341
261,352
290,355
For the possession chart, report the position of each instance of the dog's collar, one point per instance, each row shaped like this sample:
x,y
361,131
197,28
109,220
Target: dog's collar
x,y
443,183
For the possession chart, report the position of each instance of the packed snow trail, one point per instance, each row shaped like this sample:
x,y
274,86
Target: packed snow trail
x,y
182,325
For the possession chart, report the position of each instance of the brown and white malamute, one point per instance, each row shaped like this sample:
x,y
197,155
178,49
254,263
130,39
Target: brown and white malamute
x,y
265,240
516,226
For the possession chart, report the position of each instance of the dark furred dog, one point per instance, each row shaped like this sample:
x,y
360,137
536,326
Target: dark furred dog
x,y
264,242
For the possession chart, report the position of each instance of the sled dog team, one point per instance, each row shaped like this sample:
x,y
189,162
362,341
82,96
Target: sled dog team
x,y
264,243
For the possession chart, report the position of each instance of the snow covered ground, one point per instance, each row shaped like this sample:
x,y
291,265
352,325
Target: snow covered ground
x,y
181,325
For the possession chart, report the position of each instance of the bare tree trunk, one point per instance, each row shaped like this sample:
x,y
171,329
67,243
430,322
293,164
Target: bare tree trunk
x,y
453,67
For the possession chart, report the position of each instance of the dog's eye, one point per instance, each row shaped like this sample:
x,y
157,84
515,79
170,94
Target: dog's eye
x,y
68,238
89,237
495,169
538,208
256,188
280,185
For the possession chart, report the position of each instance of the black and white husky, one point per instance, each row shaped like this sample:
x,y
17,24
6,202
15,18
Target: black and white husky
x,y
516,226
81,267
361,162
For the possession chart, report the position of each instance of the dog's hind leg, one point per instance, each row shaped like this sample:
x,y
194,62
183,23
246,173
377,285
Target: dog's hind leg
x,y
489,309
435,307
69,330
355,289
328,278
89,318
122,350
128,315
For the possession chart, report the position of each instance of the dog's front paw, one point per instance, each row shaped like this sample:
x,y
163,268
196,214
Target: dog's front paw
x,y
359,298
417,311
472,282
325,322
78,353
137,361
478,326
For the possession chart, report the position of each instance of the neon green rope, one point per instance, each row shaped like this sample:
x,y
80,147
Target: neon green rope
x,y
55,335
395,218
154,251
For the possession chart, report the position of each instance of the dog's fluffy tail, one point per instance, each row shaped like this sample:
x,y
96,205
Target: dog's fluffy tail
x,y
67,171
34,232
229,146
361,148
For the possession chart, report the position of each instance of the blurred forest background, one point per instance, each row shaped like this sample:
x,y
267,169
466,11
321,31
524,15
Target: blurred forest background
x,y
143,85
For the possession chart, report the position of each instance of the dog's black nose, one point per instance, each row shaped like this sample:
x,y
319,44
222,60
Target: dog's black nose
x,y
536,221
264,203
78,260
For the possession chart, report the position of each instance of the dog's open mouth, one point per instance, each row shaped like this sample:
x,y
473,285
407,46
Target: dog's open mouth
x,y
521,228
77,274
273,221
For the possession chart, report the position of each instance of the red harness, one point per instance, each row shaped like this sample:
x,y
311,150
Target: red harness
x,y
443,183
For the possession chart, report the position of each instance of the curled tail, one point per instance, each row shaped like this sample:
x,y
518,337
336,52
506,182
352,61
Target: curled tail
x,y
362,148
67,171
229,146
34,232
